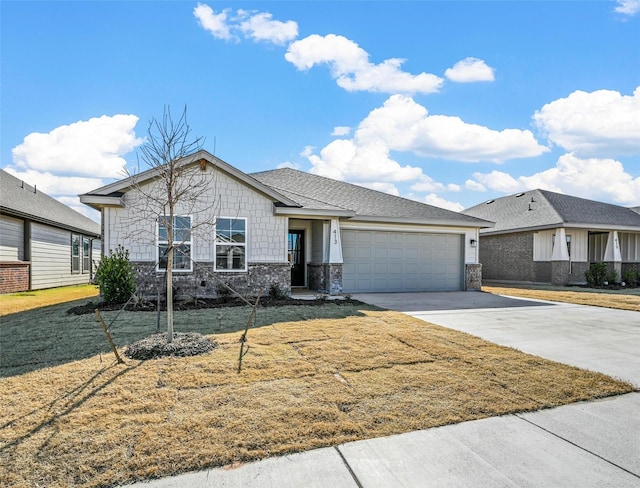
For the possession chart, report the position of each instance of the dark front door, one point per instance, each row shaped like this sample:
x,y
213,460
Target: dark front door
x,y
296,257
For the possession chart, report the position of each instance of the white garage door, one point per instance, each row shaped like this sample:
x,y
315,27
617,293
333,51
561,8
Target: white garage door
x,y
401,261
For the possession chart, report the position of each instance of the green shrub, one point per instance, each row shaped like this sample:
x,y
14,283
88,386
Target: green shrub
x,y
277,292
115,276
612,277
597,274
631,277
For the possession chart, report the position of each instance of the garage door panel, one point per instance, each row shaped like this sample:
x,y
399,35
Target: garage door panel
x,y
397,261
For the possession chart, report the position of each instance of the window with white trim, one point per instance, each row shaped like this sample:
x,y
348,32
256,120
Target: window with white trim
x,y
86,254
75,253
181,243
231,244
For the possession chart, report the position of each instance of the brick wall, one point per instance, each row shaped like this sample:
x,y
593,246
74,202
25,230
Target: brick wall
x,y
14,276
508,257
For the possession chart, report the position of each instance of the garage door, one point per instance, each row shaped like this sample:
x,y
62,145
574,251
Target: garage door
x,y
401,261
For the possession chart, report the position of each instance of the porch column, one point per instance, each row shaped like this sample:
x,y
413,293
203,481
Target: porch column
x,y
335,243
334,278
612,253
560,264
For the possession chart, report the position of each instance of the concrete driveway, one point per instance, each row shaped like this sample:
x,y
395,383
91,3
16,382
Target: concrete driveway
x,y
587,445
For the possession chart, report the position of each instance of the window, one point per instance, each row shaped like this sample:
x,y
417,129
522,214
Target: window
x,y
86,255
181,243
75,253
231,244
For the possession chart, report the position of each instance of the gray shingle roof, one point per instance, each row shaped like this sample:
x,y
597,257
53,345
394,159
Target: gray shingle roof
x,y
21,200
544,209
314,192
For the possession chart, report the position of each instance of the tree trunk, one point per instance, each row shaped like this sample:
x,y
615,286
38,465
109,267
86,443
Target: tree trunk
x,y
170,293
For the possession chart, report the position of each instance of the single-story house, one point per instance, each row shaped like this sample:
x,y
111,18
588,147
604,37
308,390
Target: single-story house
x,y
547,237
289,228
43,243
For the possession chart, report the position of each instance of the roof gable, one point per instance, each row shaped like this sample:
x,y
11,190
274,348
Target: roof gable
x,y
24,201
96,197
315,192
545,209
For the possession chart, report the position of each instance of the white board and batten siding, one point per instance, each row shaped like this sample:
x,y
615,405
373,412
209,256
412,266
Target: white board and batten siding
x,y
51,258
392,261
11,239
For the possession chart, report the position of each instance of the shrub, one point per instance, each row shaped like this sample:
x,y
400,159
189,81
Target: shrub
x,y
612,277
277,292
597,274
631,277
115,276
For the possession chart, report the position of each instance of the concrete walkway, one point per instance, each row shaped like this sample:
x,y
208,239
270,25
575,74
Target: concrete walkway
x,y
595,444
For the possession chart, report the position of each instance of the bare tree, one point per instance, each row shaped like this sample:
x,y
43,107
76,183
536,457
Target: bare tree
x,y
174,186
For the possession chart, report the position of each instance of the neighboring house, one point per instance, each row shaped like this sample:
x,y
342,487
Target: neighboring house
x,y
43,243
293,229
547,237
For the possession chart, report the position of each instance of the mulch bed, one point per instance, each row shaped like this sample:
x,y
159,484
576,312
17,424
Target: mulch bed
x,y
183,345
201,303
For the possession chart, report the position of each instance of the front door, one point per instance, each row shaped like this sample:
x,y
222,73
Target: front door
x,y
296,257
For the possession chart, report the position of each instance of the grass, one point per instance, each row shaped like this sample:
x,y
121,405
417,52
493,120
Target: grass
x,y
628,299
313,377
28,300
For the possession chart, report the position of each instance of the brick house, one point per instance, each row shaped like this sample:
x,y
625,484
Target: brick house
x,y
290,228
547,237
43,243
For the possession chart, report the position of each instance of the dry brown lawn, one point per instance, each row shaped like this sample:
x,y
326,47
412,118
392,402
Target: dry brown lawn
x,y
28,300
304,384
627,300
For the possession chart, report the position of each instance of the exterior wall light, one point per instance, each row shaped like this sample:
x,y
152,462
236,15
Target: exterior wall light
x,y
473,243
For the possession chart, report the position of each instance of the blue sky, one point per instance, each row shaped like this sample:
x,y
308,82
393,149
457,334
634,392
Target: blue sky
x,y
449,103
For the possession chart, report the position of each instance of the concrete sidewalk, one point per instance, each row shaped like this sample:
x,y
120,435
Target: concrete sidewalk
x,y
595,444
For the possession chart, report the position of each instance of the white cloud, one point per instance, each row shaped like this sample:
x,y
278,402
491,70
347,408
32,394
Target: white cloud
x,y
258,26
288,164
596,179
600,123
404,125
382,186
93,147
470,70
498,181
474,185
341,130
52,184
435,200
216,24
262,27
352,70
627,7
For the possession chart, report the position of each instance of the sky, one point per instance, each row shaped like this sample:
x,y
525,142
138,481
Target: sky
x,y
449,103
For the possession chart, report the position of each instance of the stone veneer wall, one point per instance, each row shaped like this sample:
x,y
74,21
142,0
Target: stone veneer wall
x,y
14,276
473,277
202,282
325,277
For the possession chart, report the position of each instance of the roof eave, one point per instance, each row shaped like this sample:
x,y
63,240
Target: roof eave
x,y
34,218
98,202
566,225
314,213
433,222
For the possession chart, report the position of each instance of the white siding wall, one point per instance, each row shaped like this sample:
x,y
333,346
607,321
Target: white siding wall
x,y
266,233
51,258
630,247
11,239
543,244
